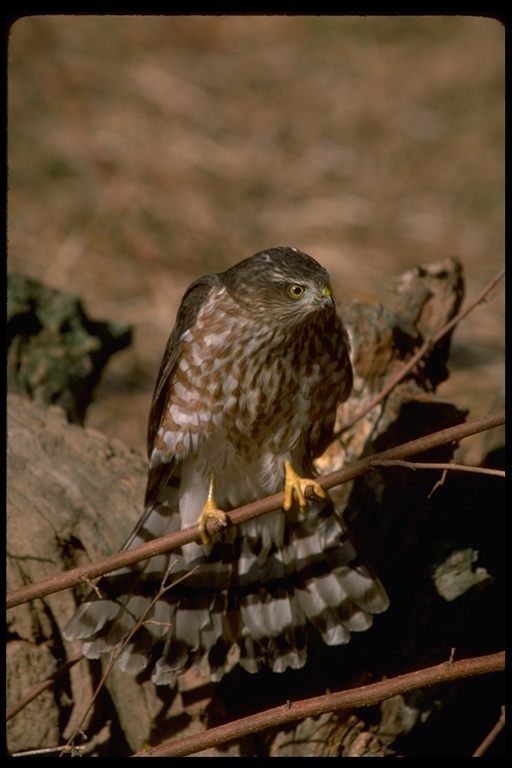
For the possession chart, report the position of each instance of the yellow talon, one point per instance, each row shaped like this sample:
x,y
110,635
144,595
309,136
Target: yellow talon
x,y
294,483
210,509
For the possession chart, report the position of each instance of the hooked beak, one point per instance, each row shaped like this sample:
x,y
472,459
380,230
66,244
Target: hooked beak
x,y
327,298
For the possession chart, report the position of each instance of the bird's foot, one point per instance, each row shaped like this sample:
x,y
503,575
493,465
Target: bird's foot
x,y
295,484
209,510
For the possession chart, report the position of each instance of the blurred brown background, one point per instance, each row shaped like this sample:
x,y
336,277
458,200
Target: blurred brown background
x,y
145,151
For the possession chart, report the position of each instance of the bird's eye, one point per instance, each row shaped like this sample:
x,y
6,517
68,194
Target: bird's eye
x,y
296,291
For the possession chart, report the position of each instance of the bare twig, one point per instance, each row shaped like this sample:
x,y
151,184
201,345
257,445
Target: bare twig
x,y
164,587
364,696
425,347
40,687
491,736
49,751
248,512
50,681
440,465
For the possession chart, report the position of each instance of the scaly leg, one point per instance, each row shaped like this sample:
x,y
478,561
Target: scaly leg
x,y
294,483
210,509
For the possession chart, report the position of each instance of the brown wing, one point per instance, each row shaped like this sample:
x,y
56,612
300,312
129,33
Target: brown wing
x,y
188,311
190,306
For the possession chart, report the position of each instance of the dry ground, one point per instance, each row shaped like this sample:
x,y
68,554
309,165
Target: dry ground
x,y
145,151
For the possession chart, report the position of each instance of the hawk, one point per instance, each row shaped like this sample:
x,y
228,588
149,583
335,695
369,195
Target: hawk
x,y
245,400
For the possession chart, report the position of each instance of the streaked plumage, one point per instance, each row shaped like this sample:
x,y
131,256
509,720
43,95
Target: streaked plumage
x,y
250,379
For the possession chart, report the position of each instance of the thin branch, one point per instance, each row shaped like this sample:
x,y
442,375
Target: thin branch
x,y
425,347
441,465
491,736
40,687
164,587
364,696
49,751
172,541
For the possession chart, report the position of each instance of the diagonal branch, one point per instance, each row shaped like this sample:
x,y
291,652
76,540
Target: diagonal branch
x,y
43,686
491,736
425,347
364,696
248,512
441,465
117,651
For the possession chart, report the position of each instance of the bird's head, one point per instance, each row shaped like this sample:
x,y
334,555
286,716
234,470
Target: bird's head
x,y
284,283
